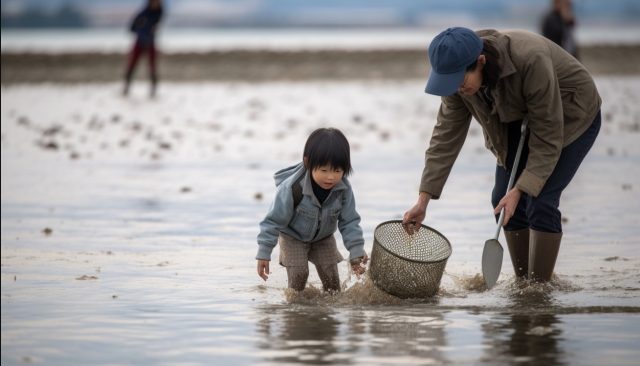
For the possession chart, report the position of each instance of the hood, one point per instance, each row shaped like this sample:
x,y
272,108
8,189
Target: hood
x,y
284,174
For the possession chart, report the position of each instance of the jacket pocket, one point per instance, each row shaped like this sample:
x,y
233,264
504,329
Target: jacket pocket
x,y
334,215
303,221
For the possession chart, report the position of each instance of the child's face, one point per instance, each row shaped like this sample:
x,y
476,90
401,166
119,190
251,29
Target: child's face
x,y
326,176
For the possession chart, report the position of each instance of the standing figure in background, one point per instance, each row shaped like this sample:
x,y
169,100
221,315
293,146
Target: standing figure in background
x,y
558,26
144,26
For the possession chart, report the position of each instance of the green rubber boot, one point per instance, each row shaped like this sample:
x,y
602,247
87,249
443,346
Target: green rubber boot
x,y
543,252
518,244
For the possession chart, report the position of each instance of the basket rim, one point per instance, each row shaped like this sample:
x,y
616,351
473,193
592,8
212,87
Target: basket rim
x,y
409,259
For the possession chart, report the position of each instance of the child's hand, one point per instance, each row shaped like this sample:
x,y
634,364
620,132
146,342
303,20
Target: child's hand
x,y
263,269
355,264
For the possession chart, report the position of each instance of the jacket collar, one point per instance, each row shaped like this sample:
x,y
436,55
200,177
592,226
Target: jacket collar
x,y
307,189
506,66
499,41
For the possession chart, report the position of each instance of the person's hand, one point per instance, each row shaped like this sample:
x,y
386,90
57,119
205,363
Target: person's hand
x,y
263,269
355,264
414,217
509,202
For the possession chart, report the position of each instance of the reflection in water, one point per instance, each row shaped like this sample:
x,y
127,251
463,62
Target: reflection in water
x,y
318,335
406,332
527,335
299,335
523,338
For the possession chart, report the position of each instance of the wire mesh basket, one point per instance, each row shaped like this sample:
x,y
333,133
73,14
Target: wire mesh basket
x,y
408,266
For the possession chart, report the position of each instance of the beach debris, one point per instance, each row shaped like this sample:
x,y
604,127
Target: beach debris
x,y
384,135
564,219
85,277
356,119
613,259
136,126
52,130
47,231
114,296
257,196
164,145
23,121
74,155
15,278
627,187
162,264
608,117
123,143
51,145
115,118
26,359
185,189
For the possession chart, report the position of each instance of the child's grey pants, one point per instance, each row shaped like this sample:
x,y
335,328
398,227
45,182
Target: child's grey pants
x,y
296,255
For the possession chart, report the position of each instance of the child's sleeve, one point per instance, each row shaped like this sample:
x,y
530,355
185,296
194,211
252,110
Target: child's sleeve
x,y
349,225
277,218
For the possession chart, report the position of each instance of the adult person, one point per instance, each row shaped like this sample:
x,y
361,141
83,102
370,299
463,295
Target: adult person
x,y
144,25
498,78
558,25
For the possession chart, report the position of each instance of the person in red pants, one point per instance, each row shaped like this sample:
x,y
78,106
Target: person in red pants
x,y
144,26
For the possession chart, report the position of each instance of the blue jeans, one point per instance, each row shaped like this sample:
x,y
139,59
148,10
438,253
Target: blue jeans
x,y
541,213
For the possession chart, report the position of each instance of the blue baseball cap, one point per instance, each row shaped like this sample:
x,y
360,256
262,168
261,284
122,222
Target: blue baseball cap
x,y
450,53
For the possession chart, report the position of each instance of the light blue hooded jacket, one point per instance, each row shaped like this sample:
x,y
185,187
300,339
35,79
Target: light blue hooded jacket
x,y
310,221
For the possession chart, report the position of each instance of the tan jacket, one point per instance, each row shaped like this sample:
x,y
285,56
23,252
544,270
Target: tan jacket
x,y
539,78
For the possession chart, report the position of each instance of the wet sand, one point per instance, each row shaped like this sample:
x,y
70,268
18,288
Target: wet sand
x,y
269,65
128,231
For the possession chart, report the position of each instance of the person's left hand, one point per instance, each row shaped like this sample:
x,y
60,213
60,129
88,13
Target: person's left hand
x,y
355,264
509,202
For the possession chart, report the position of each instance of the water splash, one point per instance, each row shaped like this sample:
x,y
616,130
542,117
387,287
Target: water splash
x,y
362,292
469,283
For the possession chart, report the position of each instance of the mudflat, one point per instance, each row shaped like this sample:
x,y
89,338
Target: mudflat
x,y
263,65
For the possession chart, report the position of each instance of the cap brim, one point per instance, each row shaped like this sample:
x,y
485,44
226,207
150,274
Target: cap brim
x,y
444,84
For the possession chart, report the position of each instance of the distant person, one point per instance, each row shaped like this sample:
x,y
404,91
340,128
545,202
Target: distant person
x,y
558,26
498,78
313,199
144,26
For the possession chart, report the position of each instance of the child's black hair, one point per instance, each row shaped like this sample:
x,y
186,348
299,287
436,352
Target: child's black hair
x,y
328,146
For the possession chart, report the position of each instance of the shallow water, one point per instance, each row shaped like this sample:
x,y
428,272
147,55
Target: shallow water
x,y
204,40
153,209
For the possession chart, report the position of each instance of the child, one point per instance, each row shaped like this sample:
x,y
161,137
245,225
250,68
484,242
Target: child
x,y
313,198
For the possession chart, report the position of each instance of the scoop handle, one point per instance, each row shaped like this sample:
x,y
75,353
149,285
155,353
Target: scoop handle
x,y
514,170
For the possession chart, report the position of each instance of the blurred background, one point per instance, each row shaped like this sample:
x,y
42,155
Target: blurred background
x,y
43,40
312,13
128,224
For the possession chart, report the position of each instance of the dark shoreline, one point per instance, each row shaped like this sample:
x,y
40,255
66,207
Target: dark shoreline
x,y
268,65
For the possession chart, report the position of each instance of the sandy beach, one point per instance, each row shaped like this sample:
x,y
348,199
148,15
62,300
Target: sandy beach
x,y
265,65
129,231
129,224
